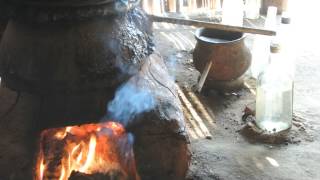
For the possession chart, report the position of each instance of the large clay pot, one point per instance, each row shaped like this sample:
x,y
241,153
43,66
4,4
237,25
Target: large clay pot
x,y
42,53
228,52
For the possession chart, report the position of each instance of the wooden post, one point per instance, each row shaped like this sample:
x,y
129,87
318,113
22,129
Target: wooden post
x,y
146,6
155,6
192,5
178,6
172,5
212,4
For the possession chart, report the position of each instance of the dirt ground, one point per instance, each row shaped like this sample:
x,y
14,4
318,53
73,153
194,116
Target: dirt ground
x,y
220,149
229,153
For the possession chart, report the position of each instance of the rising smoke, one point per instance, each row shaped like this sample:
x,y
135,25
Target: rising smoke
x,y
130,101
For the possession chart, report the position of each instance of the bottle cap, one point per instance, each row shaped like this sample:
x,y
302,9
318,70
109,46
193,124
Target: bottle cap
x,y
285,18
275,47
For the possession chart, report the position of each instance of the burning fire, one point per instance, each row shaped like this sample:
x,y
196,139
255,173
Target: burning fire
x,y
88,149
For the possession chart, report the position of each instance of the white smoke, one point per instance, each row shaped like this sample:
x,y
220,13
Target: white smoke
x,y
130,101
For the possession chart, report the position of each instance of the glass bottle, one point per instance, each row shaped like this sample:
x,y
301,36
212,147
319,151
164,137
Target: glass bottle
x,y
274,100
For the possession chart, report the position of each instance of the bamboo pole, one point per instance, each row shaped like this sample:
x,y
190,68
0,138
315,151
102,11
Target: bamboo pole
x,y
193,4
204,24
204,76
172,5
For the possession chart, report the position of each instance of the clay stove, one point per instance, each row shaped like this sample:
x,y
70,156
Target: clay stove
x,y
64,65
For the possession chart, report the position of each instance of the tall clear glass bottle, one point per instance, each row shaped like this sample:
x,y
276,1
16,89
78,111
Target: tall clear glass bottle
x,y
274,100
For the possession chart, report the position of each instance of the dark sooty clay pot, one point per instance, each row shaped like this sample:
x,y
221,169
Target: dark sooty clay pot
x,y
229,54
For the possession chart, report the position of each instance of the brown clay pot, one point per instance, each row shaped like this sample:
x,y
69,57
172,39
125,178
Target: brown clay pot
x,y
228,52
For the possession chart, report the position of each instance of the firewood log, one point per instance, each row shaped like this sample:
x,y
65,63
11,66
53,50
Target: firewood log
x,y
161,142
111,175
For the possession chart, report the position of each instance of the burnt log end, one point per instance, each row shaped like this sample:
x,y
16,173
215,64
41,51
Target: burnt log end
x,y
161,144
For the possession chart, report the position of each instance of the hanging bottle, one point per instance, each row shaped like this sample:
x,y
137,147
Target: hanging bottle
x,y
274,100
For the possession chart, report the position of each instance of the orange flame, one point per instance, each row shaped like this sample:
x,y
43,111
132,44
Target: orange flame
x,y
41,168
89,149
91,154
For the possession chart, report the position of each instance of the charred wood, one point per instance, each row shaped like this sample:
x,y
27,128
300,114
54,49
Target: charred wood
x,y
112,175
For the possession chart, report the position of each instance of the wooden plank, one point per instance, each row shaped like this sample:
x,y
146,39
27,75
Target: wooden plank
x,y
212,25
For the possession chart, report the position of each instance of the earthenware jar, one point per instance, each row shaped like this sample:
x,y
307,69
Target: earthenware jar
x,y
230,56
